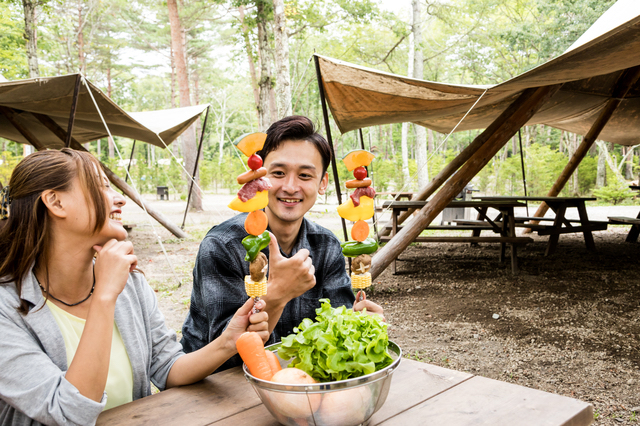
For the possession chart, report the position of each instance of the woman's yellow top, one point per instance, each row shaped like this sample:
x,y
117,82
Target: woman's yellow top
x,y
119,386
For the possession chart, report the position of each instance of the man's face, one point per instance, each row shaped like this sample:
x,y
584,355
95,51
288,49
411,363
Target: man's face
x,y
295,171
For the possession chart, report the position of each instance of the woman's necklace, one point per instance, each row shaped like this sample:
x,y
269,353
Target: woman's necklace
x,y
63,302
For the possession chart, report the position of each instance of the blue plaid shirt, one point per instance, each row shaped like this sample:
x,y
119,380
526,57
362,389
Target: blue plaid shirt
x,y
218,283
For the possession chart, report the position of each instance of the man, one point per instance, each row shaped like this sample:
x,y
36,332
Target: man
x,y
305,260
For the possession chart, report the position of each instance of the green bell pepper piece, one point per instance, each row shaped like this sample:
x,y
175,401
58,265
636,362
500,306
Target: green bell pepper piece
x,y
356,248
255,244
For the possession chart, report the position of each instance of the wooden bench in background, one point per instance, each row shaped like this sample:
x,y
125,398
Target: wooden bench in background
x,y
632,237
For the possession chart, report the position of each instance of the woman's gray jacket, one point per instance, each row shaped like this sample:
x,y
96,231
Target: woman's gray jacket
x,y
33,357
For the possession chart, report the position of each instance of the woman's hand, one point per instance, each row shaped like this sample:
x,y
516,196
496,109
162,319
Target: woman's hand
x,y
244,321
114,262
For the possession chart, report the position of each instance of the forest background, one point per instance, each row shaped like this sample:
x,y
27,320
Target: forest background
x,y
251,60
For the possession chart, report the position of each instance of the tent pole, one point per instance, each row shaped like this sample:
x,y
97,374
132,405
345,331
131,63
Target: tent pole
x,y
195,168
524,177
133,148
625,82
115,179
506,125
72,114
327,126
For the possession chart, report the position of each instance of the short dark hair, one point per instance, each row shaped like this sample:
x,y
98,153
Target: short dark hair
x,y
295,128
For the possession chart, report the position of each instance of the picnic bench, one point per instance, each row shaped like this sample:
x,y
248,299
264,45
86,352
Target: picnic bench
x,y
397,196
632,236
505,227
560,223
420,394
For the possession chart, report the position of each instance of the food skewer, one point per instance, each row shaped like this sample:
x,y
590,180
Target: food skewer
x,y
252,198
358,209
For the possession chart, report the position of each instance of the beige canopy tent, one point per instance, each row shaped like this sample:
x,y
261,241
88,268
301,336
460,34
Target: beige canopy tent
x,y
54,112
591,89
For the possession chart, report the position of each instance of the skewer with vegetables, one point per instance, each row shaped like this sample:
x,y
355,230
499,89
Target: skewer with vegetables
x,y
252,198
358,209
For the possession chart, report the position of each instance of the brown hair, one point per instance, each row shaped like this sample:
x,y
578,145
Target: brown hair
x,y
26,237
296,128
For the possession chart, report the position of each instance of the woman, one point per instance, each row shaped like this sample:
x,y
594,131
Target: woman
x,y
79,334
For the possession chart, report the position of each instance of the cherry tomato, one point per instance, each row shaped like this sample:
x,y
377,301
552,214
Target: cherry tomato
x,y
254,162
360,173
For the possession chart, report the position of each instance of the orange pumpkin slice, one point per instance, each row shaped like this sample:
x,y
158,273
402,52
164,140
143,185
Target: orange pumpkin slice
x,y
250,143
357,158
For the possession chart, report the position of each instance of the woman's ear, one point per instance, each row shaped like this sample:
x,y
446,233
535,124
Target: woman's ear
x,y
53,202
323,184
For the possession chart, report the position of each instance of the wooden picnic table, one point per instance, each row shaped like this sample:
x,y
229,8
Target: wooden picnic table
x,y
634,232
561,224
420,393
505,226
397,195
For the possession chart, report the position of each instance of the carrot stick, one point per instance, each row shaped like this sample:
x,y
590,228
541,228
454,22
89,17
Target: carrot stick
x,y
360,231
256,222
251,350
273,361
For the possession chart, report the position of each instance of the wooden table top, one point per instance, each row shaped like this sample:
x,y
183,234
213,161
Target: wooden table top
x,y
545,199
420,394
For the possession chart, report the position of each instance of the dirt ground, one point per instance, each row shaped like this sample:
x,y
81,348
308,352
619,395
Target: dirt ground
x,y
568,323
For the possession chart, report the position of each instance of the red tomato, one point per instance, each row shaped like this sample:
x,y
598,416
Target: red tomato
x,y
254,162
360,173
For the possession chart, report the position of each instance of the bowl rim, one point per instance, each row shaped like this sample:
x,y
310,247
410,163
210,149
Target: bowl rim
x,y
393,349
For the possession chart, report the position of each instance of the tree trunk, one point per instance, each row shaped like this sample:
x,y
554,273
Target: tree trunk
x,y
173,79
283,84
252,66
31,36
82,63
601,176
189,145
110,142
628,169
405,126
264,85
418,67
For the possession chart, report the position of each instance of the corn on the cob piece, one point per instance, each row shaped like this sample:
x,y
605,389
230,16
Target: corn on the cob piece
x,y
255,289
360,281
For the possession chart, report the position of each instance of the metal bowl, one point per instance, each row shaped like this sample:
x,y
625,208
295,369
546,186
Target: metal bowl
x,y
343,403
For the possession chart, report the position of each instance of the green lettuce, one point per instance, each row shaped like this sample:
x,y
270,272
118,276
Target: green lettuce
x,y
339,345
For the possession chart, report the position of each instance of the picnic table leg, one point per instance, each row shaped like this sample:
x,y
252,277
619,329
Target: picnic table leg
x,y
586,226
632,236
557,224
394,231
511,232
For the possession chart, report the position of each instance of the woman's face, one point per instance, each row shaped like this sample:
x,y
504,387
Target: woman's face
x,y
81,217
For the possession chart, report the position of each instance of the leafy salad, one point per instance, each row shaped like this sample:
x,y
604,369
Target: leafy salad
x,y
339,345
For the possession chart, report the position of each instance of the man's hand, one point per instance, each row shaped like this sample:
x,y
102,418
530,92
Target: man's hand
x,y
289,278
372,308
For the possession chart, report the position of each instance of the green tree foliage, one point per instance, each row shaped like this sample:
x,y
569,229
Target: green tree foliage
x,y
13,59
126,44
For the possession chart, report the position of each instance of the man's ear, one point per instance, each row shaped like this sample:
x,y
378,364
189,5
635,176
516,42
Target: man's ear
x,y
323,184
52,201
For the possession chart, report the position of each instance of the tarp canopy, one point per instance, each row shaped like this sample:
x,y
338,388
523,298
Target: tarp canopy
x,y
361,97
53,96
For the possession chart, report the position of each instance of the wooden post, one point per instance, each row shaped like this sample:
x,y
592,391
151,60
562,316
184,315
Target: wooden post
x,y
115,179
444,174
624,83
11,115
133,149
496,135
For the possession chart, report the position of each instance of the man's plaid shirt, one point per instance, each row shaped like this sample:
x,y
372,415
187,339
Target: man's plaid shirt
x,y
218,283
